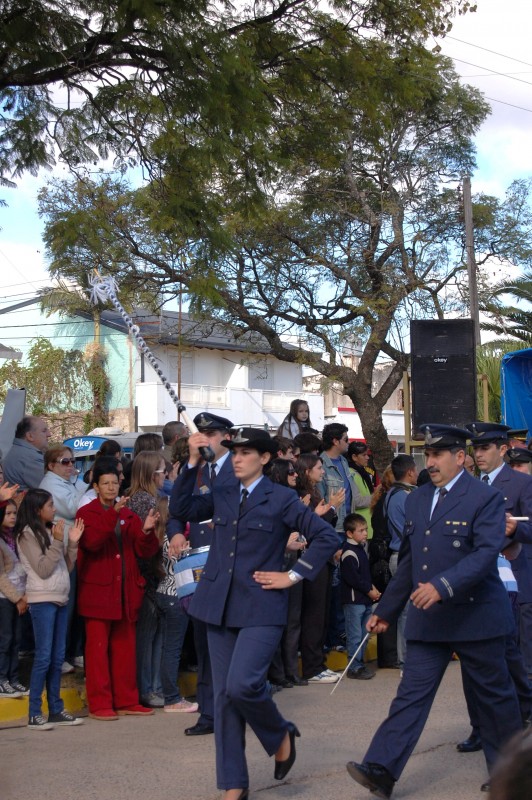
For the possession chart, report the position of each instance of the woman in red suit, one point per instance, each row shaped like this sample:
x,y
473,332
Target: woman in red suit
x,y
110,591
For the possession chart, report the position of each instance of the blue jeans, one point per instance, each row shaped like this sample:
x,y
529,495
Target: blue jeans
x,y
356,615
49,628
9,640
149,648
174,626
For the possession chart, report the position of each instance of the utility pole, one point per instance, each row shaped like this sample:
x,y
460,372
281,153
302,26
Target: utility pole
x,y
470,251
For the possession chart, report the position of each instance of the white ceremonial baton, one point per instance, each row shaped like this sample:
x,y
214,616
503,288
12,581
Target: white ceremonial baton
x,y
359,648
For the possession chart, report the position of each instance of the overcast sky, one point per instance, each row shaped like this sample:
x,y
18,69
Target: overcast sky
x,y
491,49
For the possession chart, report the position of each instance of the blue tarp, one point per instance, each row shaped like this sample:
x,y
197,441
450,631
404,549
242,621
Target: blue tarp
x,y
516,390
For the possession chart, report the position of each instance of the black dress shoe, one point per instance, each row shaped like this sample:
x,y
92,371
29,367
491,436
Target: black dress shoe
x,y
286,683
470,745
374,777
486,787
295,680
282,768
199,729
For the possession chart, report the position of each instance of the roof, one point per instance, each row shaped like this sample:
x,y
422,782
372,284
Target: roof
x,y
166,329
9,353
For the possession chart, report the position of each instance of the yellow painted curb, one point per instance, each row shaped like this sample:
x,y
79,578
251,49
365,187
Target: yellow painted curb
x,y
15,712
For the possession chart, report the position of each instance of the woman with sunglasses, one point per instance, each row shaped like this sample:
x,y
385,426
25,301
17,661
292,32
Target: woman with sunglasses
x,y
61,480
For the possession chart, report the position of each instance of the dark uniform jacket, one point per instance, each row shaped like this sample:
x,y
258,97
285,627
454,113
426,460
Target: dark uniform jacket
x,y
457,552
227,593
516,489
200,533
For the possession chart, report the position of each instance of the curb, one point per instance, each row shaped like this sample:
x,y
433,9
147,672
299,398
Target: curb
x,y
14,713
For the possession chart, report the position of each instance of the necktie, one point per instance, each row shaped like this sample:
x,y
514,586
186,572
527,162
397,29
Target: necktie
x,y
441,495
213,473
243,498
486,478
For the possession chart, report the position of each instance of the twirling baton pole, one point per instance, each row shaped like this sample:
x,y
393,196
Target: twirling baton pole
x,y
103,289
359,648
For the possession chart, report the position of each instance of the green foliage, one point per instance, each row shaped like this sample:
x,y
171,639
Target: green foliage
x,y
188,87
55,380
489,359
100,387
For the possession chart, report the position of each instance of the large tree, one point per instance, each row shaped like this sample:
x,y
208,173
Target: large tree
x,y
359,230
190,81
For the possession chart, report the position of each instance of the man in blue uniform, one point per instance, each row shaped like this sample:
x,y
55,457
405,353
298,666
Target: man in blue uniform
x,y
490,444
241,599
219,471
453,533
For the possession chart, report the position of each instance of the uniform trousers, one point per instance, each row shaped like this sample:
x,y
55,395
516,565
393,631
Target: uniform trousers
x,y
204,691
240,658
516,667
525,634
110,664
491,689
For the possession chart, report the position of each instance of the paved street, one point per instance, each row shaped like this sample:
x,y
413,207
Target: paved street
x,y
141,759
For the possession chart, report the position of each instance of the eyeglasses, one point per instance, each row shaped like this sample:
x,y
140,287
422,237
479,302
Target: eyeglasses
x,y
292,472
65,461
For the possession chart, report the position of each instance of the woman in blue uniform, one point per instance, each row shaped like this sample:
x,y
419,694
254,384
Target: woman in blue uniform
x,y
243,599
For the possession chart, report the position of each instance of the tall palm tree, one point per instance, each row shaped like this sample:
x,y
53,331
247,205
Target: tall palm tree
x,y
510,320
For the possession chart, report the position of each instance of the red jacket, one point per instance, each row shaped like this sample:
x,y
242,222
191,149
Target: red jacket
x,y
100,567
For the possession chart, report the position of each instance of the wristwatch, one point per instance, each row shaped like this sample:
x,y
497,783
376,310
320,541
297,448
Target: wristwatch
x,y
294,577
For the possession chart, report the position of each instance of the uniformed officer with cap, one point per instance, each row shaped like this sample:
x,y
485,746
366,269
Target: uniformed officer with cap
x,y
219,470
242,596
520,459
490,444
453,534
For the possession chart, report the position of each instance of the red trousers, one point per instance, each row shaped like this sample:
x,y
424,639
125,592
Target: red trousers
x,y
110,664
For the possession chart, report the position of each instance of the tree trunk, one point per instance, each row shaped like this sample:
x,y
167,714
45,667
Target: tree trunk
x,y
375,433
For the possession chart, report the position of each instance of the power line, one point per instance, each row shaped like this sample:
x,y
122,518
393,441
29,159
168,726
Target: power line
x,y
487,50
491,71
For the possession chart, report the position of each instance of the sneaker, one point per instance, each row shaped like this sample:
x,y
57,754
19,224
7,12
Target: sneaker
x,y
6,690
324,677
66,668
19,687
79,662
39,723
64,718
182,705
152,700
331,672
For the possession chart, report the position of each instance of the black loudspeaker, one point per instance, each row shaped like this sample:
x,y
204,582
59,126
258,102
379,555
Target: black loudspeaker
x,y
444,372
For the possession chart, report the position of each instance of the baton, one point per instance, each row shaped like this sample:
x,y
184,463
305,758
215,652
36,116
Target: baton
x,y
103,289
359,648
